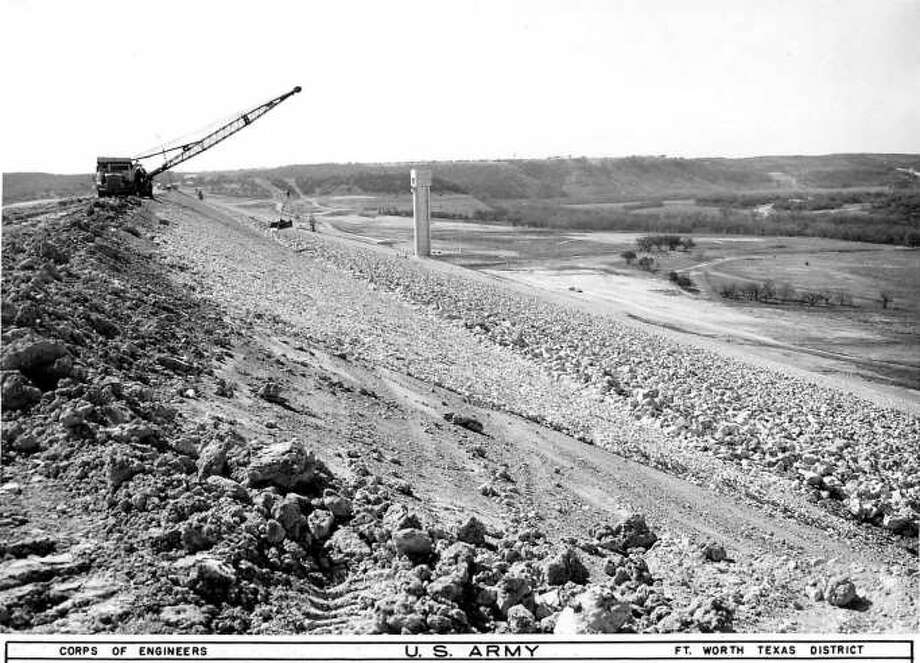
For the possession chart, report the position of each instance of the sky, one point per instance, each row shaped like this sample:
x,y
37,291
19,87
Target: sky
x,y
402,80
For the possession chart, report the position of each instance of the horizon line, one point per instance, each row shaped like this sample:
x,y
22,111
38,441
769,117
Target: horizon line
x,y
555,157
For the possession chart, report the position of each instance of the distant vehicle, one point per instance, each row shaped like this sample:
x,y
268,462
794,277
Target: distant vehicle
x,y
125,176
116,176
286,219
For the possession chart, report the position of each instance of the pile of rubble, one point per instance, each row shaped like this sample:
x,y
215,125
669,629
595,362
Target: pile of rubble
x,y
473,580
139,513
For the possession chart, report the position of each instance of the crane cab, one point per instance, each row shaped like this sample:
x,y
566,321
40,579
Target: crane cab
x,y
121,176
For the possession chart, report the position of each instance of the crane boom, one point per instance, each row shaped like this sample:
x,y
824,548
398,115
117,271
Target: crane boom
x,y
195,148
116,176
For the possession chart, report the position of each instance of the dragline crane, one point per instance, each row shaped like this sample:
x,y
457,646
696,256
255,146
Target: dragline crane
x,y
121,176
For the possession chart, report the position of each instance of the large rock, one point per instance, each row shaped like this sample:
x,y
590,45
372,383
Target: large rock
x,y
287,512
347,543
274,531
458,553
398,517
593,611
547,603
472,531
75,414
630,532
340,507
512,590
712,616
287,465
463,421
212,459
903,522
625,569
194,537
211,578
185,615
120,468
565,567
229,488
26,351
446,588
321,523
175,364
412,541
18,391
713,552
840,591
521,620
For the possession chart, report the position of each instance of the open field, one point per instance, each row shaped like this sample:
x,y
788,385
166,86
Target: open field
x,y
448,203
684,206
863,272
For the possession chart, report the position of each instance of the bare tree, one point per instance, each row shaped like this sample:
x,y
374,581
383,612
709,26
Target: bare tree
x,y
785,292
767,290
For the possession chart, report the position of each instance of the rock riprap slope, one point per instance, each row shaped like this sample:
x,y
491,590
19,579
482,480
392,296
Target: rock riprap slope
x,y
858,458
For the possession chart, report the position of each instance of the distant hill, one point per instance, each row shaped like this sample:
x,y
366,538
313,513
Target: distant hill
x,y
562,179
584,179
18,187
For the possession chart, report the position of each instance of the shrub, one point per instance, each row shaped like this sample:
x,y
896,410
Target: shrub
x,y
728,290
785,292
767,290
681,280
645,243
649,242
811,298
646,263
628,256
843,298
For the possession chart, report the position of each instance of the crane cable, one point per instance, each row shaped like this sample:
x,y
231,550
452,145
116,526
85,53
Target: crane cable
x,y
185,140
